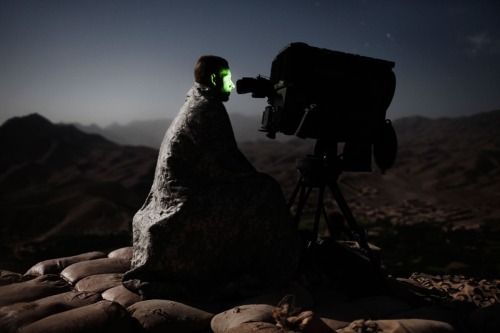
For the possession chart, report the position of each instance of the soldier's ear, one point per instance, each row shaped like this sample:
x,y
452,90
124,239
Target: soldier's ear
x,y
212,78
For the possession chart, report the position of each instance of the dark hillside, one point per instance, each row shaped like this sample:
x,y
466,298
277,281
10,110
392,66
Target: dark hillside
x,y
436,210
61,187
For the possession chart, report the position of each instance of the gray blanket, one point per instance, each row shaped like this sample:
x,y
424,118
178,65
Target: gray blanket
x,y
211,225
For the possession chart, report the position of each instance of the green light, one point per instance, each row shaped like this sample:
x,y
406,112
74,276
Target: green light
x,y
227,84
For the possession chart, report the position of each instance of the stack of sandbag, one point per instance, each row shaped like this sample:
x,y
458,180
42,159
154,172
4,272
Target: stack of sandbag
x,y
47,299
103,316
96,275
21,314
55,266
30,290
84,293
48,303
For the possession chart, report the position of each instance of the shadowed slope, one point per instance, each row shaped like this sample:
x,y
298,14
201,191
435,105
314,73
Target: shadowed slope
x,y
59,185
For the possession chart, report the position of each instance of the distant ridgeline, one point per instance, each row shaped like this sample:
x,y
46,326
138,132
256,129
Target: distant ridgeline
x,y
150,133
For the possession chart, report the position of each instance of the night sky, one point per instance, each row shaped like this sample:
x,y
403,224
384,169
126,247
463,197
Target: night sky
x,y
104,61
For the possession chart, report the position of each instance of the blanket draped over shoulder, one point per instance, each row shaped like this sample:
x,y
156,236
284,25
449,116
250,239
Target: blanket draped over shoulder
x,y
211,223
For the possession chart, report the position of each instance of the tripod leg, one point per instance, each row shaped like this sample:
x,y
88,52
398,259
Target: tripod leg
x,y
305,191
351,222
294,193
319,209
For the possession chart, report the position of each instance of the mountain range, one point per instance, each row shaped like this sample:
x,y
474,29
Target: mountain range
x,y
64,190
150,133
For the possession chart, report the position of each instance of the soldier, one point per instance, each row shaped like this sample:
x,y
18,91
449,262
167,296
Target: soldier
x,y
212,226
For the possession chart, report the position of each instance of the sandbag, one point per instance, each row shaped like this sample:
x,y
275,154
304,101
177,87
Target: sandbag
x,y
122,253
435,312
8,277
101,317
169,316
78,271
55,266
77,298
335,324
242,314
259,327
398,326
307,322
20,314
99,282
303,299
121,295
30,290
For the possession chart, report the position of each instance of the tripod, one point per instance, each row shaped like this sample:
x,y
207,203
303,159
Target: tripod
x,y
321,171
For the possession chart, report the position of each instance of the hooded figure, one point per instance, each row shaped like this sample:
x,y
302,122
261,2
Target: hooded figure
x,y
211,226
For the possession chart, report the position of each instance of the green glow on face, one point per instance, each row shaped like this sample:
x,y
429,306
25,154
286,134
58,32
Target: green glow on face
x,y
227,84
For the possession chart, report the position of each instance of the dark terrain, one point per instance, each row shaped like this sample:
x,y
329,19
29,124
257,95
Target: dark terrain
x,y
63,191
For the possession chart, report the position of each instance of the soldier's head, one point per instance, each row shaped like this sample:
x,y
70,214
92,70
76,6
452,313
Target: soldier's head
x,y
213,71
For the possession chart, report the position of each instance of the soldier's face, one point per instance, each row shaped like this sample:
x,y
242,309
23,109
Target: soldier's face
x,y
225,83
